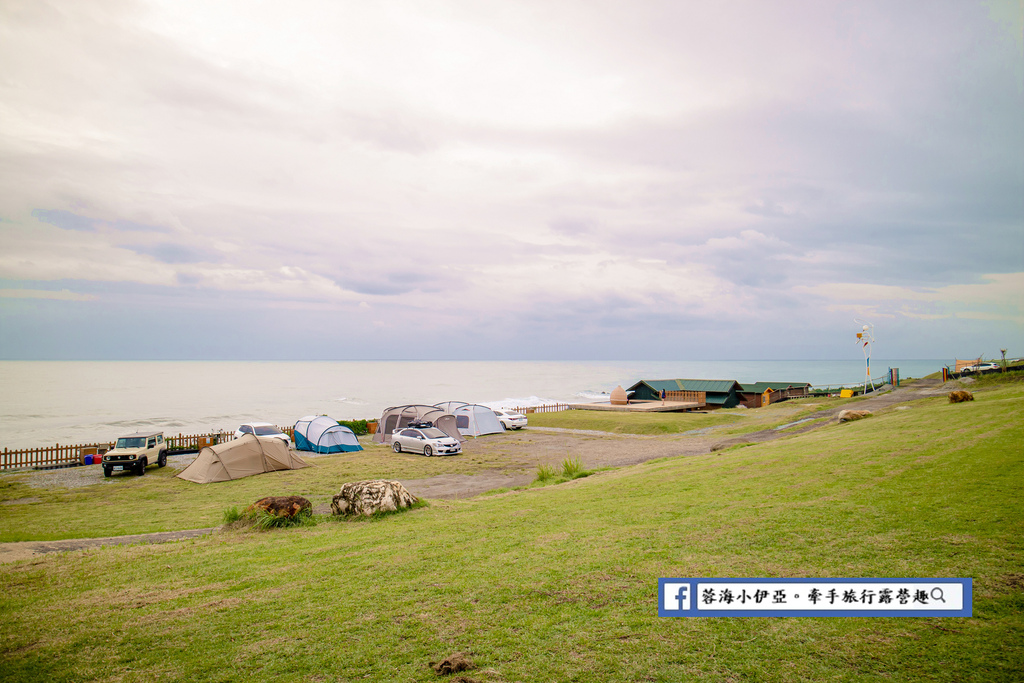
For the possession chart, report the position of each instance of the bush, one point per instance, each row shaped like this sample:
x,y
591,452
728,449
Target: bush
x,y
544,473
358,427
232,515
572,468
263,520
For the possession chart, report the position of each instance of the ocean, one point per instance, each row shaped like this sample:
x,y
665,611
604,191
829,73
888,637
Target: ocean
x,y
43,403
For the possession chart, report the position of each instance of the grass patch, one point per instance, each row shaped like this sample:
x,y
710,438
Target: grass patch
x,y
572,468
728,421
261,520
546,473
559,583
633,423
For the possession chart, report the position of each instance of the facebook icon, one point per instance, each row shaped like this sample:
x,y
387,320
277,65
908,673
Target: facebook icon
x,y
675,597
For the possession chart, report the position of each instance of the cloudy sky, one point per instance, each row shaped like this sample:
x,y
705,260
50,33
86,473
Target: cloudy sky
x,y
538,179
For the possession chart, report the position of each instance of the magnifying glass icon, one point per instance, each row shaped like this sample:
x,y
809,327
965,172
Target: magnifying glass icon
x,y
940,595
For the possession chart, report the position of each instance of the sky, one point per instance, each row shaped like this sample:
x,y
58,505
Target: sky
x,y
470,179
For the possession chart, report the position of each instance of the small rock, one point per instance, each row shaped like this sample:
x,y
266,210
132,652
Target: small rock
x,y
960,396
369,497
851,415
282,506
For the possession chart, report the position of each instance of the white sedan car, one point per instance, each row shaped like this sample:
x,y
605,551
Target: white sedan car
x,y
510,420
426,440
263,429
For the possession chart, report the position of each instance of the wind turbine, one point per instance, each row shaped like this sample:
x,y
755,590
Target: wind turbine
x,y
865,338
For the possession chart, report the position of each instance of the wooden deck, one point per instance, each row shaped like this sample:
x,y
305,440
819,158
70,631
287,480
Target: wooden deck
x,y
640,406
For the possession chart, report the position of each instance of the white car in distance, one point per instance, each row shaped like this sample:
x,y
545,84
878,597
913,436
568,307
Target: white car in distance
x,y
263,429
984,367
510,420
426,440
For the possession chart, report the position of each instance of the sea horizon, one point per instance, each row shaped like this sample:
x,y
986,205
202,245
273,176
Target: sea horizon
x,y
47,402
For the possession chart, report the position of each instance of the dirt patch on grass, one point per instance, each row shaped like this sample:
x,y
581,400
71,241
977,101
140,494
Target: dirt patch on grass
x,y
452,664
12,552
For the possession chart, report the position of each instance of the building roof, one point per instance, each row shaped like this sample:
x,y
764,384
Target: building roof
x,y
761,387
718,386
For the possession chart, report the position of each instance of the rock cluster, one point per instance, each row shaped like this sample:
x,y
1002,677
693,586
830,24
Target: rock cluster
x,y
369,497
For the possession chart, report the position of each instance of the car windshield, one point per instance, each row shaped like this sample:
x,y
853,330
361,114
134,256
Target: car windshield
x,y
267,431
433,433
131,442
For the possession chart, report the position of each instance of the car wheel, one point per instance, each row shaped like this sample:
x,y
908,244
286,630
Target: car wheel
x,y
106,471
141,467
428,451
397,447
162,460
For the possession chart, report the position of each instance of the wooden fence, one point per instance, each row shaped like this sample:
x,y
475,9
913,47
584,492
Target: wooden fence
x,y
54,456
698,397
550,408
70,456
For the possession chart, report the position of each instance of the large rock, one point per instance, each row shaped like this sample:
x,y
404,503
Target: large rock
x,y
369,497
283,506
960,396
851,415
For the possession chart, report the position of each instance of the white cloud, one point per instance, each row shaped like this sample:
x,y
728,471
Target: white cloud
x,y
998,297
502,166
57,295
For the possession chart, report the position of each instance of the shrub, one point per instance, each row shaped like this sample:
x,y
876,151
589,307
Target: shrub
x,y
263,520
232,515
572,468
358,427
545,472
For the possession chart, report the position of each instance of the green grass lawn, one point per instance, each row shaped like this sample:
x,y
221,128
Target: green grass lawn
x,y
558,583
728,421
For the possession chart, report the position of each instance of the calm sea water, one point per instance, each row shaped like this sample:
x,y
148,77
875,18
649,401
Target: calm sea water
x,y
69,402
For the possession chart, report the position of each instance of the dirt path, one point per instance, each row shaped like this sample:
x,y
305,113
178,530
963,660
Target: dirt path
x,y
524,451
11,552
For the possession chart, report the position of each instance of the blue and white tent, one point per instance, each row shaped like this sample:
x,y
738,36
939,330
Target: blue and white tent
x,y
321,434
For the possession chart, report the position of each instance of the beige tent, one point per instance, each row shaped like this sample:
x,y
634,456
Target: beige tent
x,y
239,458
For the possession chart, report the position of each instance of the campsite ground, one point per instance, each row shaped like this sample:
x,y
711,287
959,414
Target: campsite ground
x,y
598,440
555,582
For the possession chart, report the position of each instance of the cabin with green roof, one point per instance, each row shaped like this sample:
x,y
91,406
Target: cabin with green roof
x,y
719,393
760,394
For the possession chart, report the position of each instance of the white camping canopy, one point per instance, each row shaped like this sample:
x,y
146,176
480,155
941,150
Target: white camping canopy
x,y
321,434
242,457
474,420
398,417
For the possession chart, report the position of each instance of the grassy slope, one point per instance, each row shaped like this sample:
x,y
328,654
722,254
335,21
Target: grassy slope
x,y
559,583
731,421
